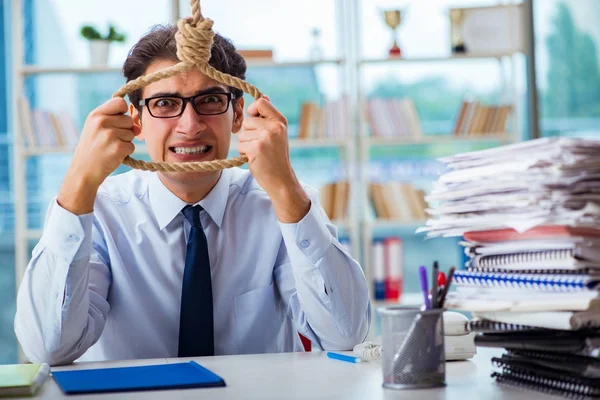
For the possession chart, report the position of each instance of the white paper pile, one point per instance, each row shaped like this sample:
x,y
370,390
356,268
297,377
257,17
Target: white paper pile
x,y
549,181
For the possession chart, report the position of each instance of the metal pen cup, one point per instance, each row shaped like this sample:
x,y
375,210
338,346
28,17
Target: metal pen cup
x,y
413,348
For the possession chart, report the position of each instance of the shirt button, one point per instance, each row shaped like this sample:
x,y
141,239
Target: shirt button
x,y
73,238
304,244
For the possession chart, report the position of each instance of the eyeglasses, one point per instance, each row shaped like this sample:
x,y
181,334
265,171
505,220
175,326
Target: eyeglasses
x,y
174,106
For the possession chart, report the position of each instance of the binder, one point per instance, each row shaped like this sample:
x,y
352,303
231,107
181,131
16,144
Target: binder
x,y
553,283
153,377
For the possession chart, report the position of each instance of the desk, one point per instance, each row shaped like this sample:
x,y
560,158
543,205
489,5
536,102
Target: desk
x,y
311,376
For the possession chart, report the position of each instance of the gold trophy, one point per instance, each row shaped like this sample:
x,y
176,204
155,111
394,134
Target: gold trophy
x,y
456,21
393,18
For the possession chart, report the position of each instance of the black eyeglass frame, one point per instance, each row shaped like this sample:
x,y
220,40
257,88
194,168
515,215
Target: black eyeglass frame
x,y
145,102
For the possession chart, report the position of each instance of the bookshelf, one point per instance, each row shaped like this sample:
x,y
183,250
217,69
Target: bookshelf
x,y
408,140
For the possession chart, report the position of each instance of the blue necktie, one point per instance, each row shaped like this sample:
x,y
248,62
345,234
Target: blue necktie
x,y
196,332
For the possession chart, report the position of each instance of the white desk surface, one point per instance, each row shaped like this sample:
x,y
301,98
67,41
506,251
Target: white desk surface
x,y
311,376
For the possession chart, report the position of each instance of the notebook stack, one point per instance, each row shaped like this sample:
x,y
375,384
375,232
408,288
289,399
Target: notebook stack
x,y
529,214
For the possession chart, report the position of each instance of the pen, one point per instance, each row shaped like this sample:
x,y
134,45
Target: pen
x,y
424,286
445,291
343,357
441,278
434,285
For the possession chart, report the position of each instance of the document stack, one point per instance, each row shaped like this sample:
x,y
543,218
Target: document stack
x,y
530,217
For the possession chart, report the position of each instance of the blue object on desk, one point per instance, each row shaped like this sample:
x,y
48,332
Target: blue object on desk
x,y
343,357
151,377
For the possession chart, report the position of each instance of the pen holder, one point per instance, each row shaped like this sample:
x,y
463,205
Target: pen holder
x,y
413,348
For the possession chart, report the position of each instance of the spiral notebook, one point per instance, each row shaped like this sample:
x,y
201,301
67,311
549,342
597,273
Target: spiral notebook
x,y
548,380
562,320
487,326
542,282
582,365
476,299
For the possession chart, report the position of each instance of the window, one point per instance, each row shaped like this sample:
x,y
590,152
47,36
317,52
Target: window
x,y
567,38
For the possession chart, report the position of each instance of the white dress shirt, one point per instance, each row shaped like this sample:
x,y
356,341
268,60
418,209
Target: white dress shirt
x,y
107,285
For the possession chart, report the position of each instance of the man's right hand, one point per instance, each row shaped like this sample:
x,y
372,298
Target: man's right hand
x,y
105,141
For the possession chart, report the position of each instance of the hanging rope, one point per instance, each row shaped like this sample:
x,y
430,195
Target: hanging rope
x,y
194,42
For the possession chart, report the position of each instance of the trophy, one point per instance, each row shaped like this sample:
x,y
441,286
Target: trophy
x,y
456,21
393,19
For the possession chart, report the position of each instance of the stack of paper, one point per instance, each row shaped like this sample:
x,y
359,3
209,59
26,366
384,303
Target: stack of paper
x,y
530,217
550,181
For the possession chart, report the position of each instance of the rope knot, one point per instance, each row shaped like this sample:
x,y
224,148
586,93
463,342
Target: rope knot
x,y
194,41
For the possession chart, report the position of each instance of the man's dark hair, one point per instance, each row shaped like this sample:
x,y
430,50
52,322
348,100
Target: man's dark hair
x,y
160,43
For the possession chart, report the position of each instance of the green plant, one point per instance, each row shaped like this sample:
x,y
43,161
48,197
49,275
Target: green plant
x,y
91,33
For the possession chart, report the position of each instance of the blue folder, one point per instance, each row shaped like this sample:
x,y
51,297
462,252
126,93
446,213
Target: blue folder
x,y
151,377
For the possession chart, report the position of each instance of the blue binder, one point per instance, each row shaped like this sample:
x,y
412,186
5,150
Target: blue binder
x,y
151,377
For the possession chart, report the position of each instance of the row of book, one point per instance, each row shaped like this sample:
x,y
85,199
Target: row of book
x,y
529,214
334,199
387,259
476,118
42,128
393,118
324,122
398,201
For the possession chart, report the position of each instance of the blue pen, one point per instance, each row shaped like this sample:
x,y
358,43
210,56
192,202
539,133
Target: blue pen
x,y
343,357
424,286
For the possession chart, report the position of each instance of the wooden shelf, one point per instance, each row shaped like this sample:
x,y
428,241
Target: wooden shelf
x,y
437,139
290,63
394,224
39,70
316,143
452,57
141,148
60,150
406,299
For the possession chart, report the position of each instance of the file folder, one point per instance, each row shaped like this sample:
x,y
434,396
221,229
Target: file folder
x,y
152,377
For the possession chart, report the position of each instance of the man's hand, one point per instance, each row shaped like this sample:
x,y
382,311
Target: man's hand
x,y
264,141
105,141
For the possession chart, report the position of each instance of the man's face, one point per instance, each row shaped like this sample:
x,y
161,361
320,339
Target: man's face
x,y
188,137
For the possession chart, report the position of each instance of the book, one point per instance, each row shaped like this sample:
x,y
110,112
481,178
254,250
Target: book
x,y
22,379
152,377
538,232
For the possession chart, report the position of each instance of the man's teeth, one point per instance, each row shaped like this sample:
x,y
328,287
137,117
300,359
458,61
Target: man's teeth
x,y
192,150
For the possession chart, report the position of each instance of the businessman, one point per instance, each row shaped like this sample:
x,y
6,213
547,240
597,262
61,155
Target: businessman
x,y
154,265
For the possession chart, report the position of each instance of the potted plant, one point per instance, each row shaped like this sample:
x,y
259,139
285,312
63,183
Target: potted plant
x,y
99,45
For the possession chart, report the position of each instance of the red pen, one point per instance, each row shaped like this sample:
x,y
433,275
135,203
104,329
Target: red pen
x,y
441,279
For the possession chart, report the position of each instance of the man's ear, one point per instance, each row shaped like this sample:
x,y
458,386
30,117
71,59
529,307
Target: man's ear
x,y
137,120
238,115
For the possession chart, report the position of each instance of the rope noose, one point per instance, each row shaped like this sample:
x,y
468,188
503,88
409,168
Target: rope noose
x,y
194,42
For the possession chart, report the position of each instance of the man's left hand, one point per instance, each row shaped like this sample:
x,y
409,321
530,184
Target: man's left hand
x,y
264,140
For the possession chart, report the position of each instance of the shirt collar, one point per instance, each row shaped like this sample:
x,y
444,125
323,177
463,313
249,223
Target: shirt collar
x,y
166,206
